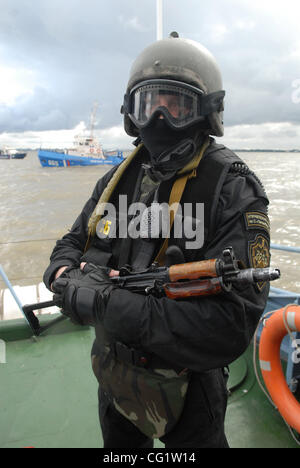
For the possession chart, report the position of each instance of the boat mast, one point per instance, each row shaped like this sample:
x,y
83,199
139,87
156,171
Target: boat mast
x,y
159,19
93,118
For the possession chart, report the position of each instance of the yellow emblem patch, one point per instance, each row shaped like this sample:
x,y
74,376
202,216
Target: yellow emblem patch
x,y
106,228
259,255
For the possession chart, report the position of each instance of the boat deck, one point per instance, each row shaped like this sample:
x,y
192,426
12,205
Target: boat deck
x,y
49,394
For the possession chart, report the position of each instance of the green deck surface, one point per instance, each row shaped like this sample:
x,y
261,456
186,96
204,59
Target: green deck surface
x,y
48,394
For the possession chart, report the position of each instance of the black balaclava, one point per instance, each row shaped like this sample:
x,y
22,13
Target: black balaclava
x,y
170,150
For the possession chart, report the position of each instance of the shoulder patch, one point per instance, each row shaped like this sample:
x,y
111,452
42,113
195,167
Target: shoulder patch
x,y
259,255
257,220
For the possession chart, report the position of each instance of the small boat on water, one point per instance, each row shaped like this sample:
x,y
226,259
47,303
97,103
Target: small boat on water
x,y
18,155
4,155
12,154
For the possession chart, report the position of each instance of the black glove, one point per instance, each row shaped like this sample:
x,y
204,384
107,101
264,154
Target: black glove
x,y
72,273
84,300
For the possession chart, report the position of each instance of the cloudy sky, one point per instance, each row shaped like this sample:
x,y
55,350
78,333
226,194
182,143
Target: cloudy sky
x,y
57,57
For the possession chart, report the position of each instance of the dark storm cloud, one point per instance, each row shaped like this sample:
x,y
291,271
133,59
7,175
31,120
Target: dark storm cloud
x,y
81,51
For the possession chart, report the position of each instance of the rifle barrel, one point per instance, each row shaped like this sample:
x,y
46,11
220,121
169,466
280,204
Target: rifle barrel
x,y
255,275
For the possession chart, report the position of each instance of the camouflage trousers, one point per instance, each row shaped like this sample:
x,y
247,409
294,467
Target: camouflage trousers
x,y
151,399
200,424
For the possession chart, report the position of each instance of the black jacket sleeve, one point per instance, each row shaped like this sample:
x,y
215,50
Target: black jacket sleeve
x,y
208,332
69,250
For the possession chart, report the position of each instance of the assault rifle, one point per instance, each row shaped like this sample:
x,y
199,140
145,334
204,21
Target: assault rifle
x,y
202,278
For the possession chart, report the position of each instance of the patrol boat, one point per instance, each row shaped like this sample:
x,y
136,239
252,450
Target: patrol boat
x,y
86,151
40,408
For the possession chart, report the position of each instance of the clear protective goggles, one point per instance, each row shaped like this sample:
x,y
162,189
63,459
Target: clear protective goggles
x,y
179,103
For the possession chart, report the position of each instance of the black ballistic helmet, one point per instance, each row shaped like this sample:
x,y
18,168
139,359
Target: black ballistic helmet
x,y
184,69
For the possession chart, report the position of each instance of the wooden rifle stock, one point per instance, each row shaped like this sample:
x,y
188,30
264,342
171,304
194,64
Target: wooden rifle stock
x,y
205,287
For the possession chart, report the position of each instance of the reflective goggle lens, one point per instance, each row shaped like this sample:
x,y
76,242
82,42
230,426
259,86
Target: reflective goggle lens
x,y
180,105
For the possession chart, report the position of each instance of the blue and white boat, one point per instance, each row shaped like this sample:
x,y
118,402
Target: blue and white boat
x,y
4,155
87,151
49,158
12,154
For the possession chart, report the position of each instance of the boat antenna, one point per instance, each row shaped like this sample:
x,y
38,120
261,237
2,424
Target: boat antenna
x,y
93,118
159,19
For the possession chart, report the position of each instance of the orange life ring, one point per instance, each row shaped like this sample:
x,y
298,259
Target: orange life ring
x,y
275,329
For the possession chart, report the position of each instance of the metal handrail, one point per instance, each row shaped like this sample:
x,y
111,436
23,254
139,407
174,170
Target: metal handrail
x,y
10,287
285,248
283,292
13,293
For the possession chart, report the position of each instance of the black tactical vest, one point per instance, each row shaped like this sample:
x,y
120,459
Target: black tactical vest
x,y
217,162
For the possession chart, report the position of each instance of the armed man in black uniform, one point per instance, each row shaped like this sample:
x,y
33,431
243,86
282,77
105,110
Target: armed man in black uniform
x,y
162,363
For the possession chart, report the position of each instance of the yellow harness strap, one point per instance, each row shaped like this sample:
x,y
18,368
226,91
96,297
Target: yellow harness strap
x,y
188,172
106,194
